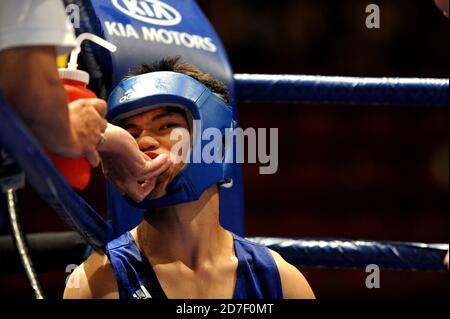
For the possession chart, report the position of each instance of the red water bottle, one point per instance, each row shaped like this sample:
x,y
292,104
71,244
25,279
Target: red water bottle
x,y
76,171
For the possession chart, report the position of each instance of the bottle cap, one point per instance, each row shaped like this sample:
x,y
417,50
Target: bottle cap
x,y
74,75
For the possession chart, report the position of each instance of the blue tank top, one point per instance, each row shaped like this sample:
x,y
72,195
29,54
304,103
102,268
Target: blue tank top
x,y
257,272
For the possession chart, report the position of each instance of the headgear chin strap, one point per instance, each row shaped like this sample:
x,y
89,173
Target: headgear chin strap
x,y
158,89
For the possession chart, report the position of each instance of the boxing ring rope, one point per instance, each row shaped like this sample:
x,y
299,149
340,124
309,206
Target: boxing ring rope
x,y
333,253
54,251
70,207
20,144
340,90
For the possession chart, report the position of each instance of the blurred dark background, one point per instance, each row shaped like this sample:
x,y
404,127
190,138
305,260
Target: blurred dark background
x,y
356,172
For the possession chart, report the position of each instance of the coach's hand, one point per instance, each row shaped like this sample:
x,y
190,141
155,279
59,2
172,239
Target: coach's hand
x,y
87,126
446,260
443,5
132,172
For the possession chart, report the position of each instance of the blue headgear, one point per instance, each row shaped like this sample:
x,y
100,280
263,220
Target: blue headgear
x,y
152,90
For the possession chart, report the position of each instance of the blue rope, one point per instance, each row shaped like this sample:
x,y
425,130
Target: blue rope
x,y
333,253
341,90
47,182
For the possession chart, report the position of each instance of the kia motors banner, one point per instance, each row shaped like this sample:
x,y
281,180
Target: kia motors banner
x,y
147,30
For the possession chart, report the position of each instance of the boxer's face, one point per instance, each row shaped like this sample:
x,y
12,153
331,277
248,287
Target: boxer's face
x,y
152,132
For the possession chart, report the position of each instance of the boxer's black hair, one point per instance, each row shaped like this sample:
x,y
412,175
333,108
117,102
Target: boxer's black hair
x,y
174,64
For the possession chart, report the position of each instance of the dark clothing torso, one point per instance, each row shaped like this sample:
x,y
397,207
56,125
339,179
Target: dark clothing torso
x,y
257,272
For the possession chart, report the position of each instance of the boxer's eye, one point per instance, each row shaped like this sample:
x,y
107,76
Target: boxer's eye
x,y
133,132
168,126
